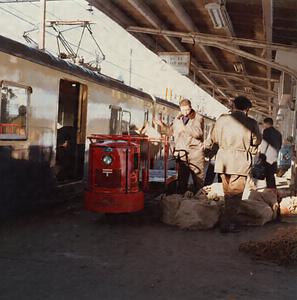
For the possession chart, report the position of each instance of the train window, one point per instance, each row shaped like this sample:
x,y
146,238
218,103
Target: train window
x,y
160,117
171,138
126,121
13,111
168,120
171,119
146,114
115,119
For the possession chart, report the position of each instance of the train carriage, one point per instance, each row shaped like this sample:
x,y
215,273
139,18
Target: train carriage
x,y
48,109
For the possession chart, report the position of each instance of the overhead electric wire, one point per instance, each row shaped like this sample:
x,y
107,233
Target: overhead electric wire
x,y
25,19
111,49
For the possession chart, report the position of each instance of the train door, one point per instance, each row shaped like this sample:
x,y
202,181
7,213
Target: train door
x,y
119,121
71,132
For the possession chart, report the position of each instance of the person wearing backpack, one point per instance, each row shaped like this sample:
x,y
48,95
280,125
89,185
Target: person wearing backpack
x,y
270,146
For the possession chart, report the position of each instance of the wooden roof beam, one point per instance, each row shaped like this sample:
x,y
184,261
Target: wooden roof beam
x,y
183,16
147,13
229,74
229,30
208,39
215,43
240,92
112,11
262,113
255,86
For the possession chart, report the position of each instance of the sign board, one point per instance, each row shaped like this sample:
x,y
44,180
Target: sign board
x,y
180,61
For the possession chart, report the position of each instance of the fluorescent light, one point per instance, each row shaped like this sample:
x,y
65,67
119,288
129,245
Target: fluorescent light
x,y
216,15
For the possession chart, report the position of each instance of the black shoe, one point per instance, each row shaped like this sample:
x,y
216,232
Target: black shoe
x,y
231,228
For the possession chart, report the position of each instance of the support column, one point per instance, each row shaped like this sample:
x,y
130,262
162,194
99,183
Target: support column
x,y
42,24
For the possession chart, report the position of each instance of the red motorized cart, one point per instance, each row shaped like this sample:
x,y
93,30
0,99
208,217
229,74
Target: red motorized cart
x,y
119,177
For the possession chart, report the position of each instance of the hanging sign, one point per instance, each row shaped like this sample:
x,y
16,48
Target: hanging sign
x,y
180,61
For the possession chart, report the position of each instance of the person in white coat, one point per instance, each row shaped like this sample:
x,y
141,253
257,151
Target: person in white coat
x,y
188,131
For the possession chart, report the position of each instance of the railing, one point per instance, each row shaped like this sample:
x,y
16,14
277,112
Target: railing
x,y
7,128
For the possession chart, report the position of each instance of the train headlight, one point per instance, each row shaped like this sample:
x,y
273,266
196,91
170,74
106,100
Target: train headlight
x,y
107,159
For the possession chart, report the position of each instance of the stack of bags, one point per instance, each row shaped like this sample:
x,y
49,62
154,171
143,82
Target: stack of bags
x,y
203,210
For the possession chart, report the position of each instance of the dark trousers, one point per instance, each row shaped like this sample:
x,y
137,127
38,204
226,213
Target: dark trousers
x,y
233,187
270,170
193,167
210,175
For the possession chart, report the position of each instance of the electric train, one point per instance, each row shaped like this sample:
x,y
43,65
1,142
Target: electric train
x,y
48,109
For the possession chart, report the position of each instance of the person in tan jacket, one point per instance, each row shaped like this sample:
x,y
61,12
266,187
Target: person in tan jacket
x,y
236,134
187,129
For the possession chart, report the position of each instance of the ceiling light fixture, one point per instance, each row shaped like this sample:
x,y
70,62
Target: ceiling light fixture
x,y
238,67
217,15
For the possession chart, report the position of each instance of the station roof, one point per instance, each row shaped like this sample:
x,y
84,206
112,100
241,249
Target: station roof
x,y
232,43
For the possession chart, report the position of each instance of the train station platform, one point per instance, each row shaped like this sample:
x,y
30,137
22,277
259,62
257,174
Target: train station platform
x,y
66,252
